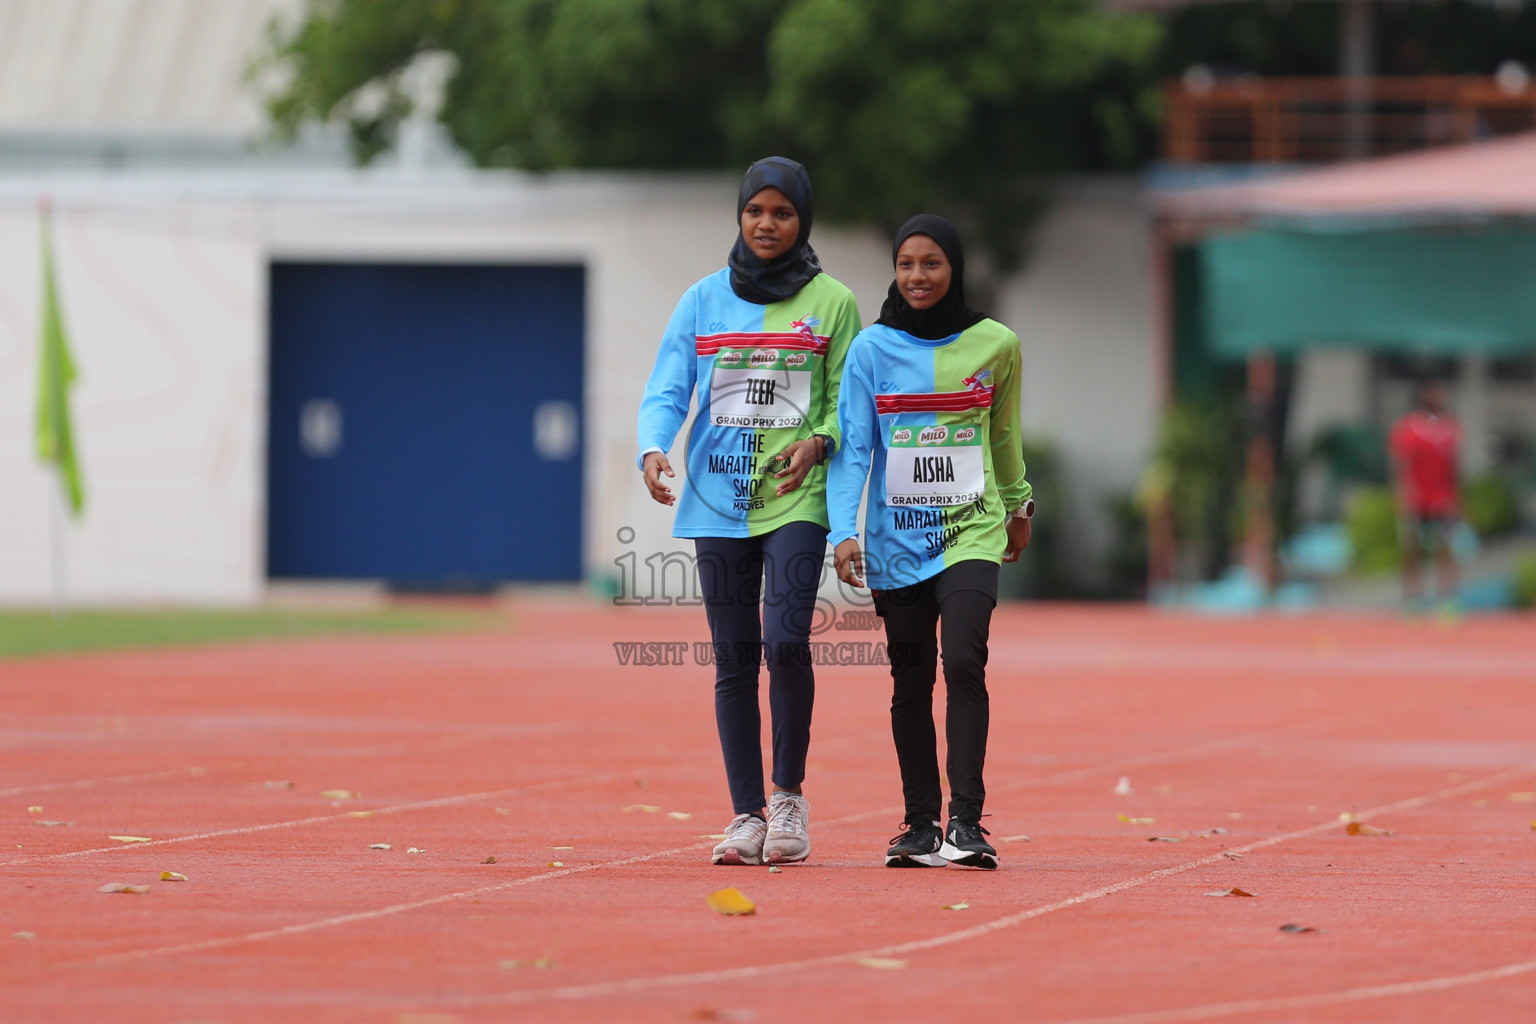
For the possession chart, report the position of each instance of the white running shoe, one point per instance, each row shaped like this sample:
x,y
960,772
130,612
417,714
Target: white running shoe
x,y
788,837
743,843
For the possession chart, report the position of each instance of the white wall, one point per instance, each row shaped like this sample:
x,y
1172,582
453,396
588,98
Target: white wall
x,y
163,308
1083,310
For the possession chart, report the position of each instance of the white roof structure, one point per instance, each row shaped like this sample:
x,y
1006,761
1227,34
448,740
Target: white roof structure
x,y
155,66
1492,178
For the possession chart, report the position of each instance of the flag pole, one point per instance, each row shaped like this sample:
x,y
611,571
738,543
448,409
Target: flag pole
x,y
56,538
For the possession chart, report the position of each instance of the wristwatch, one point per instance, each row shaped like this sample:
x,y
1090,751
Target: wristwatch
x,y
828,446
1024,511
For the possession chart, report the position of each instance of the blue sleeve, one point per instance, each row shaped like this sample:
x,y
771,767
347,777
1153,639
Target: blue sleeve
x,y
664,406
849,468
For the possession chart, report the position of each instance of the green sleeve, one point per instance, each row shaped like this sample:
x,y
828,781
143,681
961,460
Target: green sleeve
x,y
845,324
1006,434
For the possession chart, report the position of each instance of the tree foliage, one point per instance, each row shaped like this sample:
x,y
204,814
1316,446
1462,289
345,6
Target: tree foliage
x,y
897,106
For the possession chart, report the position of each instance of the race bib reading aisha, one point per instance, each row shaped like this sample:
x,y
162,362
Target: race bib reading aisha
x,y
938,465
761,388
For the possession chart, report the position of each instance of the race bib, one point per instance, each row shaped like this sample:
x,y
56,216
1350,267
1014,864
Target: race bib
x,y
938,465
762,388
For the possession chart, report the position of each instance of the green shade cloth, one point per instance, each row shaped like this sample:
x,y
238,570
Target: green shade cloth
x,y
1446,291
55,375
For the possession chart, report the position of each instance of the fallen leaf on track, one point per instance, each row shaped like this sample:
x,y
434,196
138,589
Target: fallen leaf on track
x,y
1123,787
414,849
562,847
774,869
172,876
359,814
381,846
1020,838
52,824
1297,929
1231,856
956,906
1230,892
1346,816
132,839
1164,839
679,815
647,808
489,860
730,902
502,810
35,809
557,863
1137,821
712,835
277,784
338,794
25,936
880,963
122,887
1356,828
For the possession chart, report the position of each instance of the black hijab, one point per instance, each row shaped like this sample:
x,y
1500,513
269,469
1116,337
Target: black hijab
x,y
765,281
950,315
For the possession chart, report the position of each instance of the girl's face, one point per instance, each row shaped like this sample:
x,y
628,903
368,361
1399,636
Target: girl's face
x,y
922,271
770,224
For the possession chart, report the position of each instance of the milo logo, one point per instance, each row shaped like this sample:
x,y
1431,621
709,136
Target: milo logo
x,y
901,436
730,357
795,360
933,435
964,434
763,357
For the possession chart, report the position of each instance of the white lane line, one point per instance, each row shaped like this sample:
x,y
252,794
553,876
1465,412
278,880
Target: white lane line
x,y
572,992
49,787
1315,999
371,915
370,750
1072,774
417,805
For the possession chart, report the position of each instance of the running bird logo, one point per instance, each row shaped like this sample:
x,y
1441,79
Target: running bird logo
x,y
975,381
806,326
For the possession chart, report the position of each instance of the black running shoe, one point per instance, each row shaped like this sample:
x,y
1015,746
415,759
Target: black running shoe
x,y
963,844
916,847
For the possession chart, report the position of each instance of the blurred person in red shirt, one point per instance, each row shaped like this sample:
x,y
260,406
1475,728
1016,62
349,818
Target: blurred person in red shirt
x,y
1426,447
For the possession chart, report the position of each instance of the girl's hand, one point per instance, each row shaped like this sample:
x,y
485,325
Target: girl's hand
x,y
848,558
655,465
799,458
1018,539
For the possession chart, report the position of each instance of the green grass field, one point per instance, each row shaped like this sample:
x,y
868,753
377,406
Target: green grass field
x,y
26,633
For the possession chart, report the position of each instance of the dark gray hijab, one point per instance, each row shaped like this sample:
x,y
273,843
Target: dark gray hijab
x,y
765,281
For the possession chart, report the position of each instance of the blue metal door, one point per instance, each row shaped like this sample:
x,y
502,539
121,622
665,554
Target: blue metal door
x,y
424,423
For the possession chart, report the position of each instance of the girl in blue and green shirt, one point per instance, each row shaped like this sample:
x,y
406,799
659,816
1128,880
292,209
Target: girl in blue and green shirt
x,y
929,410
760,346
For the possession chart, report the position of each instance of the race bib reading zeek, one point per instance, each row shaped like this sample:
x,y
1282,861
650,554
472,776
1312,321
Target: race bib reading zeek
x,y
762,388
938,465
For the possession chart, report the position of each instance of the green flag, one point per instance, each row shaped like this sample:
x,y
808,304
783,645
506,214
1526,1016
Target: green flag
x,y
55,374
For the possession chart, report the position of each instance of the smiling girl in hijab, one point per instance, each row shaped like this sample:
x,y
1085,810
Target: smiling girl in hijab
x,y
929,409
761,342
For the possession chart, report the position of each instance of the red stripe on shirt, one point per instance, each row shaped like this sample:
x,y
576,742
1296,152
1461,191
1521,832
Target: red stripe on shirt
x,y
709,344
944,401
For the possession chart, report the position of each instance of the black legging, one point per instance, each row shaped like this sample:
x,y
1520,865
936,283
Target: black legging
x,y
959,601
731,572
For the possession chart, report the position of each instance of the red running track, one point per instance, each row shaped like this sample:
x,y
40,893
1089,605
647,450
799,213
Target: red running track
x,y
532,744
